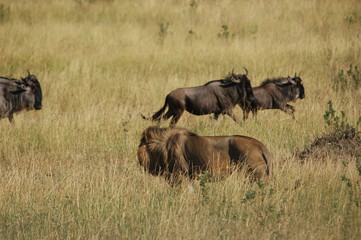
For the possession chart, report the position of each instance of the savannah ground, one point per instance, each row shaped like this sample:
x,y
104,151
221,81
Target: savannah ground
x,y
70,171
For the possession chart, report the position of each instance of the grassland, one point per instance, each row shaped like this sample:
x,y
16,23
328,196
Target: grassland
x,y
70,170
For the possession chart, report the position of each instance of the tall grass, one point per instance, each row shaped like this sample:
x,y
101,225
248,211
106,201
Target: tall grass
x,y
70,170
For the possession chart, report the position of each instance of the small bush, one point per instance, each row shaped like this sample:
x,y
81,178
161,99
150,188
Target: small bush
x,y
163,29
191,35
340,139
353,18
205,178
358,163
337,123
225,33
249,195
4,13
193,4
347,80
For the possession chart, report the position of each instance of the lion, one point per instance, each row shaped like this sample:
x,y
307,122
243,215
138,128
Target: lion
x,y
172,152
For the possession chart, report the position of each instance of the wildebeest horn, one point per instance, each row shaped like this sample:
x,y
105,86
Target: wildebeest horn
x,y
292,81
232,74
246,71
28,72
299,74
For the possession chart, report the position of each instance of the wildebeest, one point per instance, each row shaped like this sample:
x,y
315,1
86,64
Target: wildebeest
x,y
17,95
275,94
173,152
218,97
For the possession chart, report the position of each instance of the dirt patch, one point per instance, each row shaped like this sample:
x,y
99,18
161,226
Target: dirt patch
x,y
339,144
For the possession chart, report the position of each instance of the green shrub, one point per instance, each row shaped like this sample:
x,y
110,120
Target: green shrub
x,y
225,33
4,13
205,178
353,18
347,80
193,4
333,120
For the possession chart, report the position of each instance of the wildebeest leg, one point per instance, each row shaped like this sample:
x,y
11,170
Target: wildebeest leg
x,y
168,114
245,115
291,107
11,118
232,115
178,113
289,110
254,113
215,116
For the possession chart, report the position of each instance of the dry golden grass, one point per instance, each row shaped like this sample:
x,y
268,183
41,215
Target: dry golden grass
x,y
70,170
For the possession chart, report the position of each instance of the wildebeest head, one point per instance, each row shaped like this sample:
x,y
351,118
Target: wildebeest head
x,y
298,83
294,86
291,87
33,94
245,88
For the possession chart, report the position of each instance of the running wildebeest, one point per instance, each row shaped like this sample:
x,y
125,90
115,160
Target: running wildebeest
x,y
173,152
17,95
275,94
218,97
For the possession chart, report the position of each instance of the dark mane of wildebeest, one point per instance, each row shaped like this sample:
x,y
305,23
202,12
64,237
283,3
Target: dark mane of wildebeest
x,y
217,96
17,95
173,152
275,94
12,85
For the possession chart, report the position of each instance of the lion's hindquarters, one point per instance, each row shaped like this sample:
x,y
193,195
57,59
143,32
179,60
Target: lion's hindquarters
x,y
257,166
268,159
253,155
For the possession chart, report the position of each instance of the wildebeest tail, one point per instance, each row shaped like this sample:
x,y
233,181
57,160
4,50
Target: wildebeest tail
x,y
156,116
